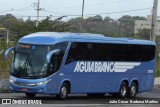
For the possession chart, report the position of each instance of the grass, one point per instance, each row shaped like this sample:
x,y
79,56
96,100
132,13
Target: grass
x,y
157,73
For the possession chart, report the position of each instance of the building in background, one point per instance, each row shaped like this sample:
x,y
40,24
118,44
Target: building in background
x,y
146,24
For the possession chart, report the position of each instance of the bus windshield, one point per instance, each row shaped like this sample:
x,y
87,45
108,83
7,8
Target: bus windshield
x,y
29,61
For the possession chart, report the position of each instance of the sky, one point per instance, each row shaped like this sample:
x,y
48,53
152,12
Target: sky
x,y
73,8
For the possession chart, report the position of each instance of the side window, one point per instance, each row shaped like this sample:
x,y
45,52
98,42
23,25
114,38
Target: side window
x,y
147,52
117,52
54,64
131,53
81,51
56,60
151,52
62,46
102,52
88,52
74,52
110,52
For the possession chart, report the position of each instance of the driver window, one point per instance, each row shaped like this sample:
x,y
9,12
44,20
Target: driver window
x,y
56,59
54,65
75,52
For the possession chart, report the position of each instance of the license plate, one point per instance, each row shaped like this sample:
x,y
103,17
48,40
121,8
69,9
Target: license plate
x,y
24,89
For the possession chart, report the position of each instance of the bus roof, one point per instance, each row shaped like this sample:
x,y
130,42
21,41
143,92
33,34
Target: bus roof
x,y
49,38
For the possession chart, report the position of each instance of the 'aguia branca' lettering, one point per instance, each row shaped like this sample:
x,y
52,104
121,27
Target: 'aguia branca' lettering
x,y
82,66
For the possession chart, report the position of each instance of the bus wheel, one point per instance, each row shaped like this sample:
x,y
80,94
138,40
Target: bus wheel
x,y
63,92
123,90
30,95
132,90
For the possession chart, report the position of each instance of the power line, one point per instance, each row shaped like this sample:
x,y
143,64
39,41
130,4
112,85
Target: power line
x,y
35,16
87,14
44,10
104,13
112,12
119,11
18,9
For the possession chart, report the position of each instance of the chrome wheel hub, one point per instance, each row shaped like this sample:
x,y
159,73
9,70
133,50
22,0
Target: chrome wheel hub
x,y
123,91
64,91
133,90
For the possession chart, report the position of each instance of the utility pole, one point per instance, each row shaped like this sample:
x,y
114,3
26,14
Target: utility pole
x,y
154,20
7,36
38,9
82,15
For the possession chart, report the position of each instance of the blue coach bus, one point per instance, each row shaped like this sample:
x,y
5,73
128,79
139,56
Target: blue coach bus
x,y
80,63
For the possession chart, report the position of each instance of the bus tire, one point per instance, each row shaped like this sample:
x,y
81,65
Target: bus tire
x,y
123,91
30,95
132,91
63,92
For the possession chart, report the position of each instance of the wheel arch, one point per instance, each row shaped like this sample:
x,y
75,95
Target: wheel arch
x,y
67,81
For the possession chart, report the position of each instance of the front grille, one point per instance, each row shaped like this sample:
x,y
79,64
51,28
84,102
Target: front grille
x,y
23,84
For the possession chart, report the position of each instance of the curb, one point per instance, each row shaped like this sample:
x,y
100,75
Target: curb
x,y
157,81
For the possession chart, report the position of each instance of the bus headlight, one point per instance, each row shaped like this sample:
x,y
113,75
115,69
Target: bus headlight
x,y
42,83
12,80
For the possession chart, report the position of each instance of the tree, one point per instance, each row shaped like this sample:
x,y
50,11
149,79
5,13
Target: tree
x,y
108,19
139,18
30,22
98,18
10,23
127,24
143,34
45,25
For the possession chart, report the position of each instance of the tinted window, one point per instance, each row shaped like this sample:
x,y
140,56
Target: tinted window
x,y
110,52
56,60
147,52
62,46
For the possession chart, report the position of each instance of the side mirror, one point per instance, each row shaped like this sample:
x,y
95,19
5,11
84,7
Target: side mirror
x,y
8,51
49,55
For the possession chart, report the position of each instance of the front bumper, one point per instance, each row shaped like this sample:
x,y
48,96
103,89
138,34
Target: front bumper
x,y
28,89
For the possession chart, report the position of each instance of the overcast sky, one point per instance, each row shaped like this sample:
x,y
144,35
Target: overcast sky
x,y
23,8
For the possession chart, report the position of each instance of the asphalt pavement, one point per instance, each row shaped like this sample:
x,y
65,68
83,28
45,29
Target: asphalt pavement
x,y
79,100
